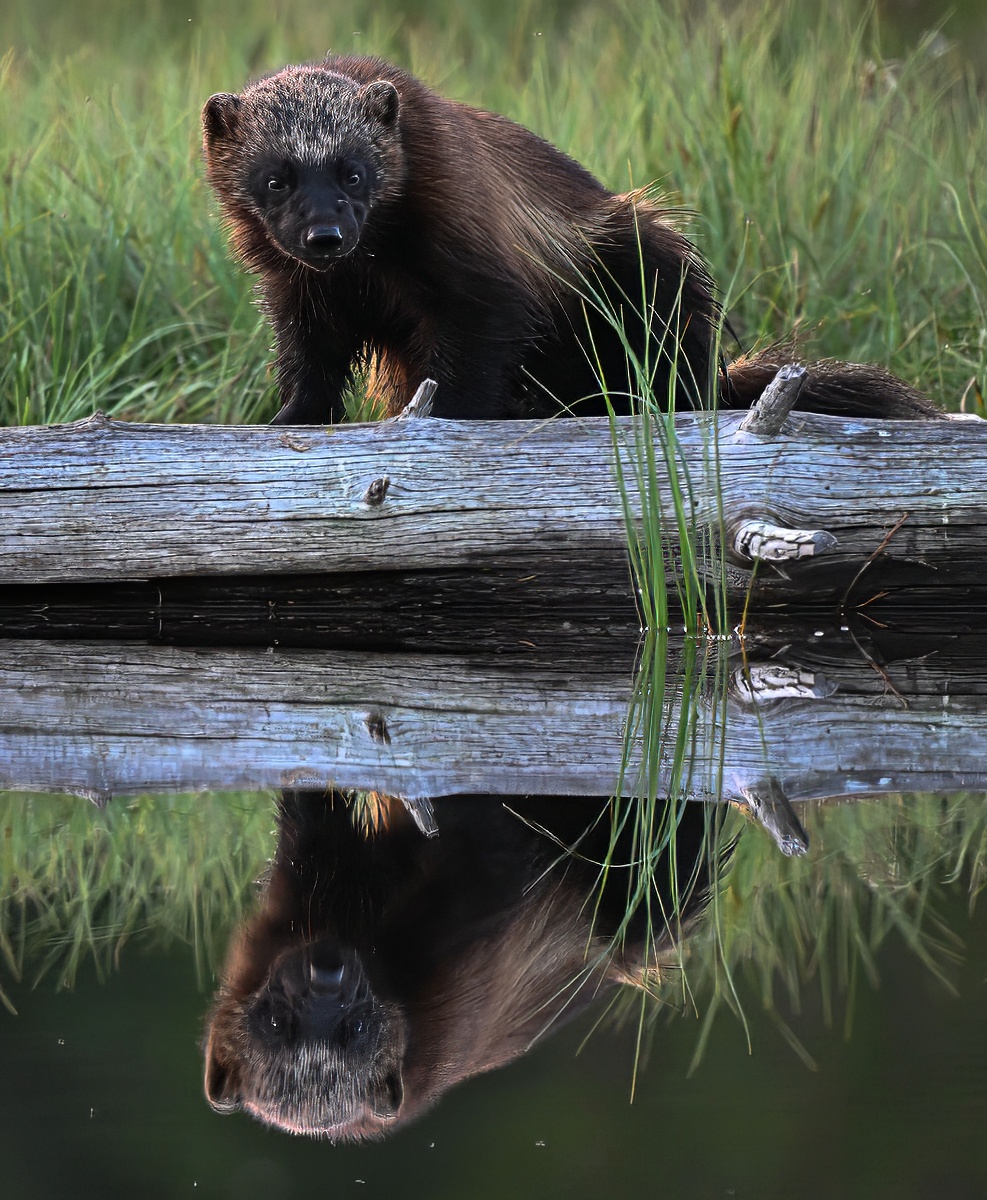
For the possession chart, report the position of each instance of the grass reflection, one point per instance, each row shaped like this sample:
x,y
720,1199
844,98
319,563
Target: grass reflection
x,y
81,885
878,869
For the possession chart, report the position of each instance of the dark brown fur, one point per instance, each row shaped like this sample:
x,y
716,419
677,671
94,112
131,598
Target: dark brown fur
x,y
397,230
383,966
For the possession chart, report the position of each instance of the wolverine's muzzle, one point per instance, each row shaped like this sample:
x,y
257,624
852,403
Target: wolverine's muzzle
x,y
324,240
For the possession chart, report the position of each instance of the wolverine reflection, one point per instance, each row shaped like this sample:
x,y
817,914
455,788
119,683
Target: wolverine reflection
x,y
384,965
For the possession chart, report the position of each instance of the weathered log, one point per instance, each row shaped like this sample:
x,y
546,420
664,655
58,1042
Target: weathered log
x,y
102,719
865,504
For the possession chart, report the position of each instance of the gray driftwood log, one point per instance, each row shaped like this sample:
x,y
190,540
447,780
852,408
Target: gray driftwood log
x,y
822,503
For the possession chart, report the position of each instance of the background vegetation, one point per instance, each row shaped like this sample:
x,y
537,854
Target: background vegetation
x,y
835,166
79,885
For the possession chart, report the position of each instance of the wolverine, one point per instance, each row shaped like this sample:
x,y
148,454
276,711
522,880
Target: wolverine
x,y
406,236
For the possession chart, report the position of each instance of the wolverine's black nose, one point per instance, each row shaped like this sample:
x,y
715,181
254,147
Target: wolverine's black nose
x,y
323,239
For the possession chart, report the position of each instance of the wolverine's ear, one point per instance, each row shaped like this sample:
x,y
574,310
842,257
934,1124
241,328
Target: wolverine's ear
x,y
387,1095
221,1086
221,115
380,101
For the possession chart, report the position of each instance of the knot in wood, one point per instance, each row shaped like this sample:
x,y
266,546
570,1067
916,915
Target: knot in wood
x,y
98,420
374,496
377,728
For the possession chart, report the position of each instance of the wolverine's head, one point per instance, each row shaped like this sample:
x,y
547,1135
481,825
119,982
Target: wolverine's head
x,y
313,1049
300,159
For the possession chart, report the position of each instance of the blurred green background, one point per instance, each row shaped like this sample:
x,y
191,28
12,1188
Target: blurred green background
x,y
832,155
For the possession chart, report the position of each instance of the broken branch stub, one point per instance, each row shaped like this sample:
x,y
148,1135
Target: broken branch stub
x,y
764,542
770,412
420,404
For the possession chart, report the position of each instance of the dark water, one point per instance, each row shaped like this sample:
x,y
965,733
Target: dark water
x,y
102,1098
851,1060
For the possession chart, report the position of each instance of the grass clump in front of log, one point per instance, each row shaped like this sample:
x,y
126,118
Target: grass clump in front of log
x,y
837,184
675,566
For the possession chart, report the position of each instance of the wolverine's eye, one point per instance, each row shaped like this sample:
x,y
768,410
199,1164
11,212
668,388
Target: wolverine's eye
x,y
354,180
276,183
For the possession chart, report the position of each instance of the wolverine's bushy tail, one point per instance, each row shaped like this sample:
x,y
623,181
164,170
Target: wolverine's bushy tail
x,y
833,388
